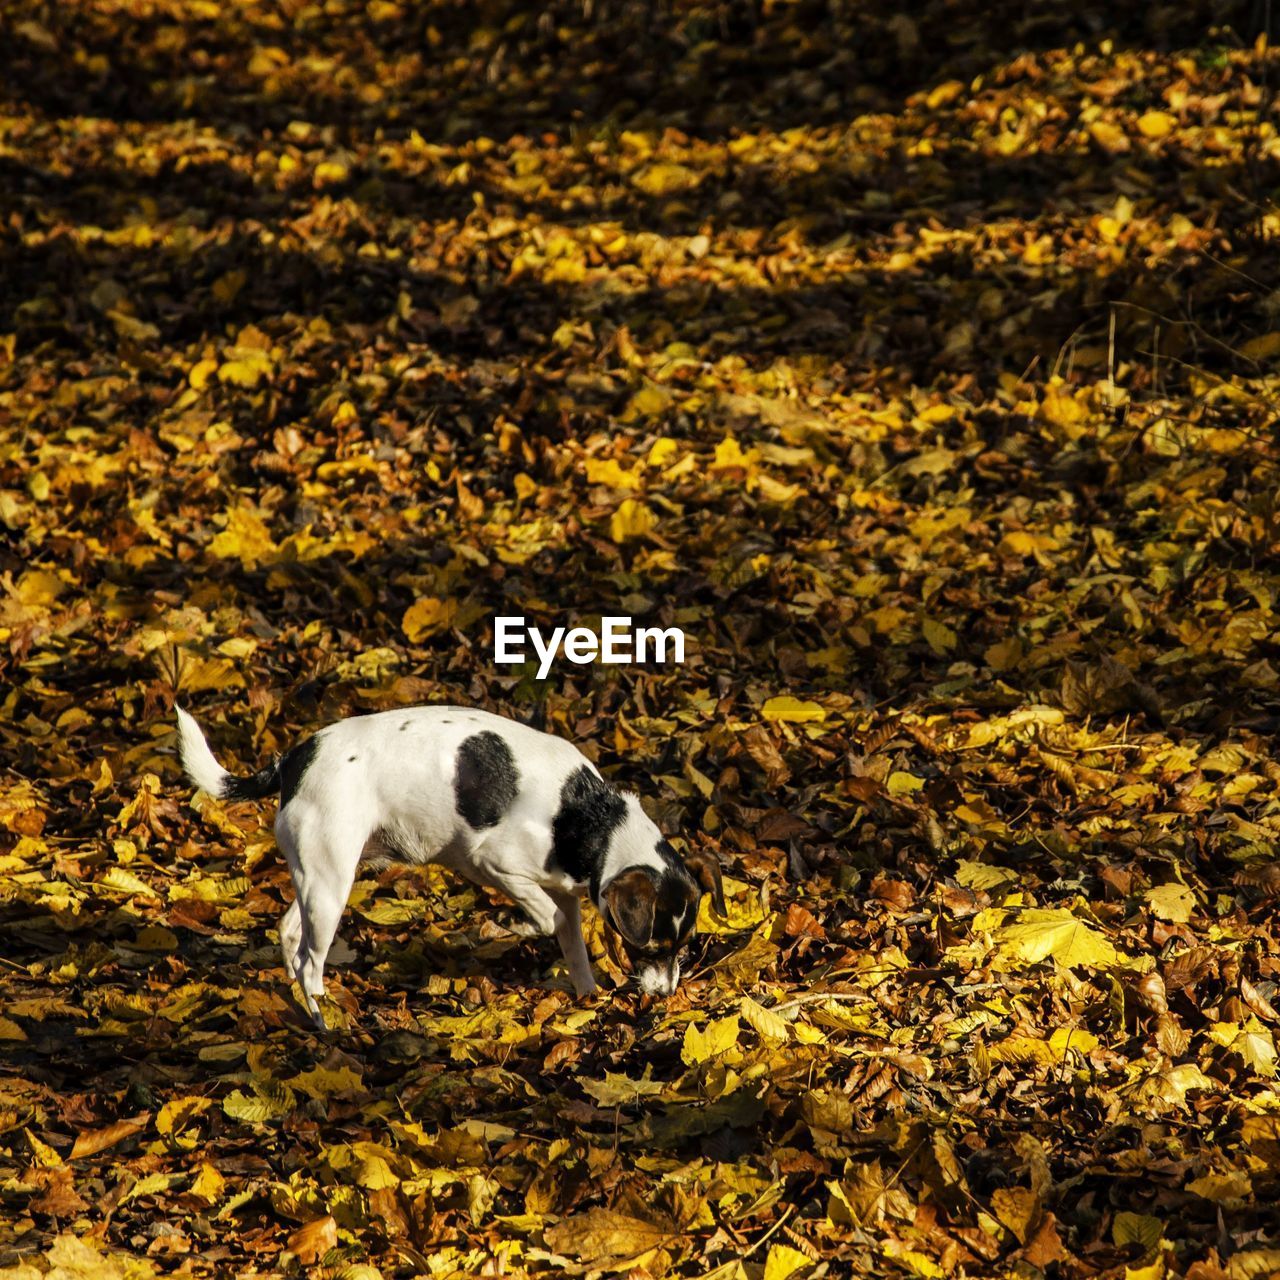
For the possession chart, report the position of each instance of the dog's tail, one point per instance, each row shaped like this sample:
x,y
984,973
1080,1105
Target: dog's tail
x,y
210,776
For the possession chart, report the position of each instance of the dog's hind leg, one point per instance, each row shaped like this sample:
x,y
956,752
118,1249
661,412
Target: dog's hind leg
x,y
293,925
328,870
291,940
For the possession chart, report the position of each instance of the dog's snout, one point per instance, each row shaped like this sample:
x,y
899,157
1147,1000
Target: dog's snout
x,y
660,978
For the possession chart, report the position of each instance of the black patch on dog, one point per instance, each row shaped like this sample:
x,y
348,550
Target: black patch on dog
x,y
404,726
286,773
351,759
294,766
590,812
487,780
254,787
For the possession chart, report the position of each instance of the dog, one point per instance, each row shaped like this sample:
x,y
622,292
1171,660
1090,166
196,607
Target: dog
x,y
503,804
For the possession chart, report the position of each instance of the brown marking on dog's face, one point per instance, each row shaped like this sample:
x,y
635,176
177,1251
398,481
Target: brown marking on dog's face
x,y
654,913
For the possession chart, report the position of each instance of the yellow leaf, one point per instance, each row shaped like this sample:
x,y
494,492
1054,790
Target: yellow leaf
x,y
1017,1208
1253,1264
243,373
73,1259
784,1261
1019,1048
1173,902
245,538
1002,656
151,1185
603,1236
982,876
729,455
607,471
663,449
1108,136
665,179
226,286
1230,1189
1040,934
42,1153
36,33
258,1109
944,94
40,587
10,1030
793,710
1022,543
766,1024
175,1117
328,171
201,372
1265,346
1137,1228
631,520
648,402
720,1037
208,1184
1253,1042
321,1082
617,1090
428,616
939,637
373,1172
1067,1040
903,784
772,490
1156,124
126,882
1156,1270
1167,1087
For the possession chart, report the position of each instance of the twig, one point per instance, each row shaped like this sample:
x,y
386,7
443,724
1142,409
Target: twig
x,y
786,1213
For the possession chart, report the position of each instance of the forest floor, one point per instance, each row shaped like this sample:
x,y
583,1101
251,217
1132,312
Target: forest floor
x,y
919,362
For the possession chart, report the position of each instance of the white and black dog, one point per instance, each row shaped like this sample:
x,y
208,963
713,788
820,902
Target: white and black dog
x,y
497,801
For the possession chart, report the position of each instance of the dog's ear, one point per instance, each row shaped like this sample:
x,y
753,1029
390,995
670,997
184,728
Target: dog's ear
x,y
706,871
630,900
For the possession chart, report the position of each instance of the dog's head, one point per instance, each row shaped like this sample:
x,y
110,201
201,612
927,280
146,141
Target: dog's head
x,y
654,910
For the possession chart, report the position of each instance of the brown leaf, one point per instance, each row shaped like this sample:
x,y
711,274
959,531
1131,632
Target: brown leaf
x,y
1045,1246
801,922
90,1143
1018,1208
1150,992
59,1198
1257,1001
761,748
603,1236
897,895
311,1242
385,1205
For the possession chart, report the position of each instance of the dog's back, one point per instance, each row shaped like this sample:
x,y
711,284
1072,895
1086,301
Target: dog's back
x,y
424,783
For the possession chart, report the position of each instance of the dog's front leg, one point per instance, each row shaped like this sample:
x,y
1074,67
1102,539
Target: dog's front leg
x,y
569,935
550,913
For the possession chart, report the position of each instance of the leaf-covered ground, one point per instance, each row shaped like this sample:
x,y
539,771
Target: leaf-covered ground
x,y
919,361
